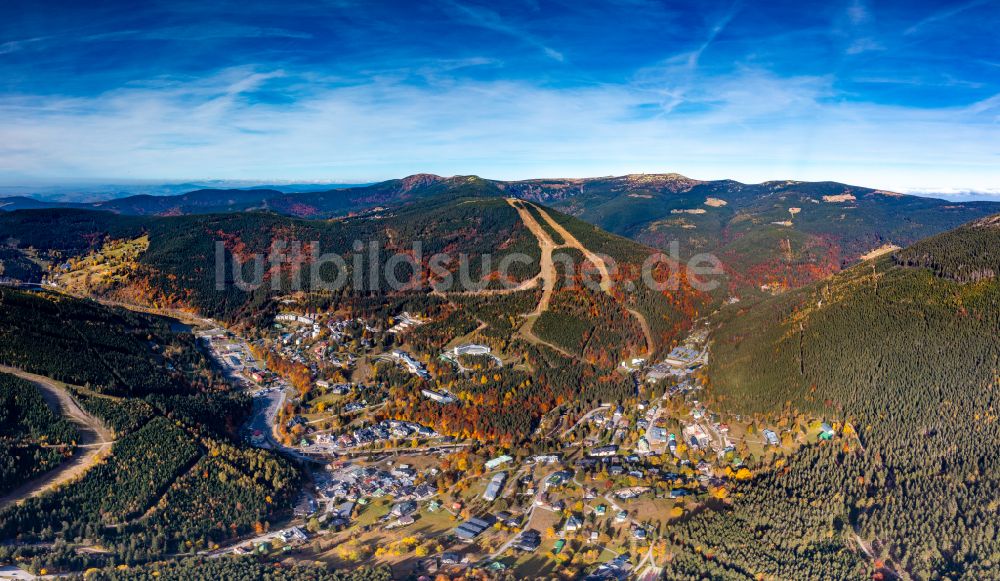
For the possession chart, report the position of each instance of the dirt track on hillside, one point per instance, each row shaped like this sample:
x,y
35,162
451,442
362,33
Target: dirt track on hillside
x,y
547,274
569,241
94,443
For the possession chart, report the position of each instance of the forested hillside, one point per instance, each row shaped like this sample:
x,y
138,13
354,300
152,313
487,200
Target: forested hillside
x,y
781,233
177,477
595,330
112,351
909,362
971,256
179,267
33,440
668,312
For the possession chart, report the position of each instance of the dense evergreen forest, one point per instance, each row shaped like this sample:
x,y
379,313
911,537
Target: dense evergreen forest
x,y
179,269
176,478
909,363
27,428
15,265
65,231
111,351
970,256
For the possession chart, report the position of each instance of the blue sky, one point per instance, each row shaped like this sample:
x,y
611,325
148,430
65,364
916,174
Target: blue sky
x,y
899,95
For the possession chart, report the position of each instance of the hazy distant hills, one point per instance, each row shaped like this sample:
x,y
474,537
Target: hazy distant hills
x,y
302,204
86,193
773,235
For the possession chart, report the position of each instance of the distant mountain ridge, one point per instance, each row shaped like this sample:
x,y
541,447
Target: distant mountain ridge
x,y
87,193
301,204
584,195
770,236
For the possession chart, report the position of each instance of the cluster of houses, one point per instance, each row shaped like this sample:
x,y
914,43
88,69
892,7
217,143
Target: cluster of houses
x,y
617,424
574,524
635,467
299,338
696,437
310,326
301,329
344,329
360,484
380,432
228,352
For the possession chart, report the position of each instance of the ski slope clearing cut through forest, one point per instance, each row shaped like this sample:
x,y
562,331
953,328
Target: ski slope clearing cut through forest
x,y
548,272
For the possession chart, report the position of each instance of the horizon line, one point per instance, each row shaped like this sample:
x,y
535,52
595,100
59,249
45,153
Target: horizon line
x,y
348,183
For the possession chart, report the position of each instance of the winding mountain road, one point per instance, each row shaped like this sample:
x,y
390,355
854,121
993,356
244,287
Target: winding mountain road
x,y
95,439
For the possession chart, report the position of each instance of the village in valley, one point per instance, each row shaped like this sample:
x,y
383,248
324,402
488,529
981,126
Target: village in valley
x,y
597,490
378,403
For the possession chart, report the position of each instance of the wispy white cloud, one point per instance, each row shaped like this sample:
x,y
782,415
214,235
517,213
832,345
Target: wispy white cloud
x,y
491,20
861,45
858,28
858,13
200,32
942,15
18,45
675,76
713,32
751,125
